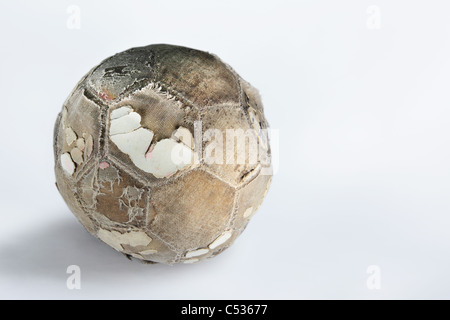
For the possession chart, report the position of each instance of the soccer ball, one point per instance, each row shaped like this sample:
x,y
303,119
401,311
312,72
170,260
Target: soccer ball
x,y
162,153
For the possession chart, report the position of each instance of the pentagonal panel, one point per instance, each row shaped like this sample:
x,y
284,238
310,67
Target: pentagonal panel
x,y
191,210
121,74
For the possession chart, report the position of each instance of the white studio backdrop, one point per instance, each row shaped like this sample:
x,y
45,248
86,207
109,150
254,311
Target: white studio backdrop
x,y
359,208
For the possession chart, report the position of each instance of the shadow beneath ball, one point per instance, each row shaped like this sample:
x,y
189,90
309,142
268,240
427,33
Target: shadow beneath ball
x,y
48,252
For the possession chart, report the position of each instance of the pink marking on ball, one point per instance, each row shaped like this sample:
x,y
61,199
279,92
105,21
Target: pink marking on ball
x,y
103,165
106,95
149,154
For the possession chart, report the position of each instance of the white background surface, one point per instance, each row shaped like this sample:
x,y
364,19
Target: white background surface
x,y
364,173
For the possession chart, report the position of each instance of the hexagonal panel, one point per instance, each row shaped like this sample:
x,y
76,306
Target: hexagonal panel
x,y
155,115
88,188
250,198
191,210
68,192
223,118
121,198
199,76
159,113
155,251
78,132
252,96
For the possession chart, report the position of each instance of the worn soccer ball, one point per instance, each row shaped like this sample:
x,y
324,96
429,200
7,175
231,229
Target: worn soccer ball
x,y
162,153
